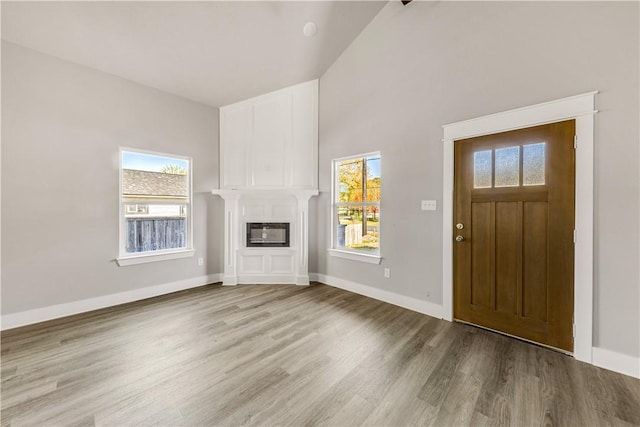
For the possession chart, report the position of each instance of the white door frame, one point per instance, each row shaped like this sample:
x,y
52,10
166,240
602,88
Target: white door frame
x,y
582,109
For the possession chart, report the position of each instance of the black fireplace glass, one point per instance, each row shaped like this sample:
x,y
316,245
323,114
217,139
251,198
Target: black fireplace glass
x,y
267,234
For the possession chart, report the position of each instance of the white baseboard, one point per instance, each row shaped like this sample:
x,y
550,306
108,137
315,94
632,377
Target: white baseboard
x,y
14,320
617,362
424,307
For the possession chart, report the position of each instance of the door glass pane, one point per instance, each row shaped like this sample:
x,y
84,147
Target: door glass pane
x,y
482,169
508,167
533,160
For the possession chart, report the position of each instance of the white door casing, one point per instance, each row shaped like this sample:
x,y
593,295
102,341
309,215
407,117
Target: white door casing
x,y
582,109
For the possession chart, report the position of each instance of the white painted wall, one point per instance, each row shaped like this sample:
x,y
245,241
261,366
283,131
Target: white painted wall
x,y
417,67
62,125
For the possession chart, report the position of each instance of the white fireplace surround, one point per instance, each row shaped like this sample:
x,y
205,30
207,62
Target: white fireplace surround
x,y
246,265
268,173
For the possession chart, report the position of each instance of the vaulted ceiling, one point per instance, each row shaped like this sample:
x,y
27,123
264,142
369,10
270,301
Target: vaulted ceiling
x,y
214,52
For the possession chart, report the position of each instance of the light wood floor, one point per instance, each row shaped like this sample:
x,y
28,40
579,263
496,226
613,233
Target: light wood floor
x,y
287,355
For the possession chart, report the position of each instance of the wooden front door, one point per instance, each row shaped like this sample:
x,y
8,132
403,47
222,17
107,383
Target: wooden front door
x,y
513,230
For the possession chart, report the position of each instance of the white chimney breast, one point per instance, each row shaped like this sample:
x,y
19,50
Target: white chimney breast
x,y
271,141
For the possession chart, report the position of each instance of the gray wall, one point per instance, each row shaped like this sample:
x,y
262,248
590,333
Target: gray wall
x,y
418,67
62,125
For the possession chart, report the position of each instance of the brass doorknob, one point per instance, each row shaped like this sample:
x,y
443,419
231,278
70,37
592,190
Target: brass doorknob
x,y
459,238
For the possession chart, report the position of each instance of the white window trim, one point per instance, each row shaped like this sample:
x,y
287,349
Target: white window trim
x,y
154,257
356,256
352,254
582,109
125,259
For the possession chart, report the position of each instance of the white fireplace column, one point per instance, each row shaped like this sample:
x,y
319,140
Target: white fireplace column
x,y
232,237
302,255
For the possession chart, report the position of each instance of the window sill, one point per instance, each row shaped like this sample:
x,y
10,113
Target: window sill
x,y
154,257
371,259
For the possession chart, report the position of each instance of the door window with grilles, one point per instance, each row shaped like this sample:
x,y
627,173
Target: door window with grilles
x,y
520,165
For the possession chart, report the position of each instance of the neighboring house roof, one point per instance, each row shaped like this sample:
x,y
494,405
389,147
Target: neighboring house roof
x,y
143,183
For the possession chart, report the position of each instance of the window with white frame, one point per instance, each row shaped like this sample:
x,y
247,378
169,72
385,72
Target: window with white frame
x,y
155,204
356,204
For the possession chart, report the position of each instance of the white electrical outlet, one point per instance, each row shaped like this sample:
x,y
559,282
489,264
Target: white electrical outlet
x,y
387,272
429,205
200,261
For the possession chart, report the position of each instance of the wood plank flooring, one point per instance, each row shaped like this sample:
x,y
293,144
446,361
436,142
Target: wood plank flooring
x,y
299,356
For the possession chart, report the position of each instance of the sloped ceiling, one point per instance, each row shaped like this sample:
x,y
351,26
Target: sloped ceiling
x,y
214,52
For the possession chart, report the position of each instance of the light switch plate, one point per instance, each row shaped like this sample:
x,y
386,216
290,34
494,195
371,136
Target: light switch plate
x,y
429,205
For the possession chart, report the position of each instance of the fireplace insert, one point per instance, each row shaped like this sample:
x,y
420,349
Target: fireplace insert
x,y
267,234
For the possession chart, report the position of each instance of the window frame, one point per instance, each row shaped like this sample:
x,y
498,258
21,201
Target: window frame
x,y
362,255
125,258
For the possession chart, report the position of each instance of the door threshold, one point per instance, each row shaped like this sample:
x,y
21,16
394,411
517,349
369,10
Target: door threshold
x,y
559,350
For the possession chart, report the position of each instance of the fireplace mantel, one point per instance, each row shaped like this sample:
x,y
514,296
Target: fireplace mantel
x,y
265,265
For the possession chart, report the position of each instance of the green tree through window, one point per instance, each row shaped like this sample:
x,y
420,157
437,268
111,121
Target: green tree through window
x,y
357,203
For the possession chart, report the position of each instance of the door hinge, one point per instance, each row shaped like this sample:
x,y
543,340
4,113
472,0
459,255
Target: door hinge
x,y
574,329
575,141
574,236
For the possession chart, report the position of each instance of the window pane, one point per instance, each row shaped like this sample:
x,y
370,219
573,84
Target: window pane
x,y
355,231
154,163
357,196
373,179
533,160
373,214
507,173
149,176
482,169
155,196
136,209
161,227
350,180
344,219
